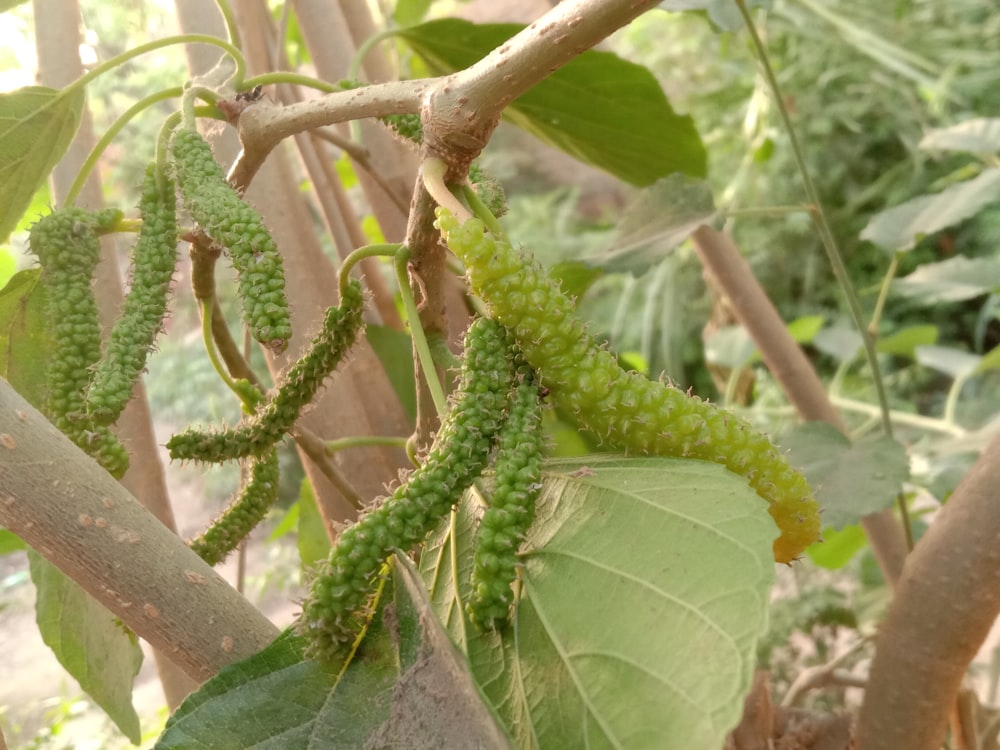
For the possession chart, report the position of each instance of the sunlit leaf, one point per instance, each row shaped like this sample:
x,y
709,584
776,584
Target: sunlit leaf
x,y
631,566
598,108
37,125
838,547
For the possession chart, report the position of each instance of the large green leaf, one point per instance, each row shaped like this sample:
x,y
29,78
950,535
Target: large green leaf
x,y
407,687
598,108
631,567
25,343
901,227
851,479
90,644
37,125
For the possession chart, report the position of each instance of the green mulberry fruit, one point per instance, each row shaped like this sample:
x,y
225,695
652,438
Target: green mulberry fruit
x,y
145,304
242,516
623,408
231,222
68,248
275,417
333,614
517,480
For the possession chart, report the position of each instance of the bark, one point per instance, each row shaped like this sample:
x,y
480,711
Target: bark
x,y
81,520
945,604
58,42
790,367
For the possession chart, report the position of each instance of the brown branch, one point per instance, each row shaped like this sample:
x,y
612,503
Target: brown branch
x,y
80,519
945,604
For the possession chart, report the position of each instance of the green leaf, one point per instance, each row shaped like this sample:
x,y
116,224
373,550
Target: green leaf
x,y
838,547
409,12
951,280
979,136
6,5
840,342
659,219
406,687
8,265
575,277
990,361
89,642
723,13
899,228
632,565
598,108
851,479
395,351
25,344
804,329
730,346
37,125
904,342
954,362
10,542
313,541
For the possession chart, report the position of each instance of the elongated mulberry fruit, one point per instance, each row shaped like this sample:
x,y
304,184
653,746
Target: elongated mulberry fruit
x,y
244,513
68,249
625,409
333,614
145,305
235,224
273,419
517,478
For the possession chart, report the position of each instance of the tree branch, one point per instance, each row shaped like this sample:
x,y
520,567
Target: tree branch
x,y
946,602
80,519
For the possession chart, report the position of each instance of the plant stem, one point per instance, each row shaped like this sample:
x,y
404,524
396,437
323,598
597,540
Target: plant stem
x,y
829,244
364,441
417,333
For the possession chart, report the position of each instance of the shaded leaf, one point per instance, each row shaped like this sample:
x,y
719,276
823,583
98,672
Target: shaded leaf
x,y
899,228
89,642
903,343
10,542
313,541
659,219
851,480
979,135
598,108
989,361
951,280
954,362
25,343
631,566
394,350
839,342
723,13
37,125
730,346
406,687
